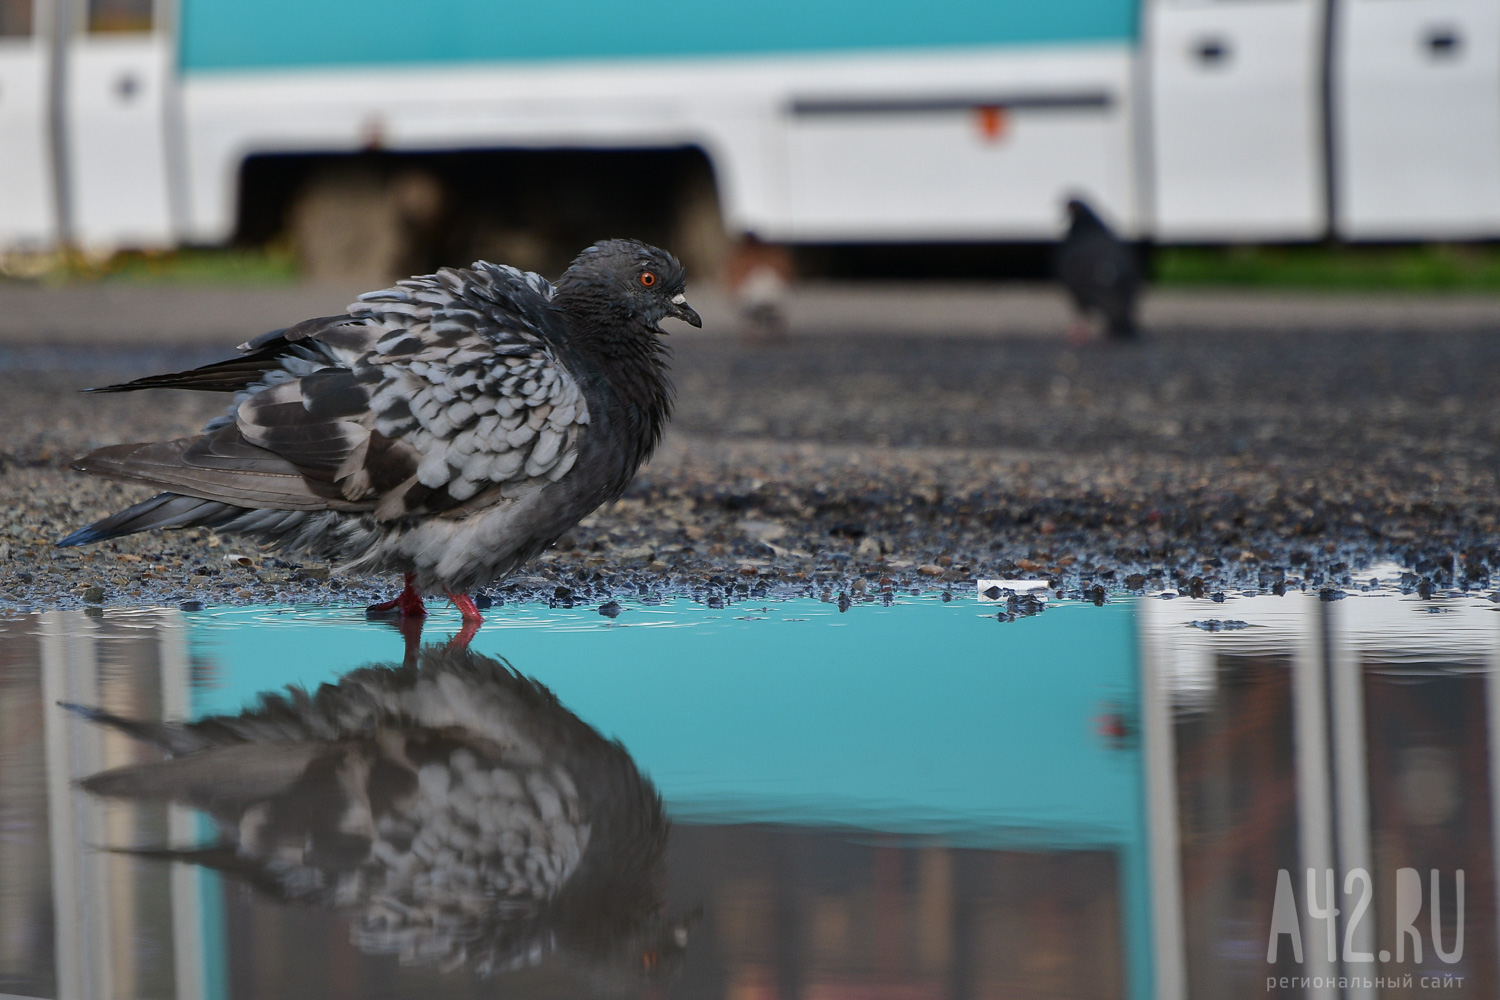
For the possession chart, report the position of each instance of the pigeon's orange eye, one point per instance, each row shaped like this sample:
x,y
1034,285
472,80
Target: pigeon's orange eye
x,y
648,279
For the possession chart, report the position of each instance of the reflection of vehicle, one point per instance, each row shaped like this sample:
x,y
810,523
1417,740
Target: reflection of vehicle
x,y
839,122
1359,737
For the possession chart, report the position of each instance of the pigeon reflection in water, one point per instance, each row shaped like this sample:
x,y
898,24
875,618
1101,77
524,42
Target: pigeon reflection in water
x,y
452,808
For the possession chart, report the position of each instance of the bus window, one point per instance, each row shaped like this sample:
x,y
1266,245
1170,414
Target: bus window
x,y
15,18
119,15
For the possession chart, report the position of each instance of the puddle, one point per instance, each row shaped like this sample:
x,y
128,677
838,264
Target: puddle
x,y
908,801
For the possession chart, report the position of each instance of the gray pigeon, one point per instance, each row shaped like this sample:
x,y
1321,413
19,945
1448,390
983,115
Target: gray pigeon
x,y
453,810
450,428
1101,273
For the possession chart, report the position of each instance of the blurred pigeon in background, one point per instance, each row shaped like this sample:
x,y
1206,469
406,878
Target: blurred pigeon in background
x,y
1101,273
453,810
449,428
759,277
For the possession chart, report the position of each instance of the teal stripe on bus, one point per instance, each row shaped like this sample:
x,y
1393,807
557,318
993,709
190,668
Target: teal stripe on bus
x,y
238,35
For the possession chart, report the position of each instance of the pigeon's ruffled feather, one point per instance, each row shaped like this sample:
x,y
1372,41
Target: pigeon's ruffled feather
x,y
437,393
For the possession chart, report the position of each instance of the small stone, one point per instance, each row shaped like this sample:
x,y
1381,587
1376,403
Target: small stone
x,y
610,609
191,606
93,594
763,531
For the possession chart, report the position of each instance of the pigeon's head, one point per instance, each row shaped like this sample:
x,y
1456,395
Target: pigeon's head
x,y
644,281
1079,212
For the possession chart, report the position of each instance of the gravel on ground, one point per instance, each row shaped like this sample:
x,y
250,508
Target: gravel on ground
x,y
1213,457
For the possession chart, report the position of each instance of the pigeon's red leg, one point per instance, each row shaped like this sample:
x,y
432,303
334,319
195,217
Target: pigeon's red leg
x,y
472,619
411,635
465,605
408,604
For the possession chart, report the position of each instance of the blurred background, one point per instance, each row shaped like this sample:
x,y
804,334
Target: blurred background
x,y
1327,142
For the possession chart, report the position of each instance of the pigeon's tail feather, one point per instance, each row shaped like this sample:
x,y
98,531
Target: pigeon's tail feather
x,y
217,856
228,860
165,510
223,777
171,737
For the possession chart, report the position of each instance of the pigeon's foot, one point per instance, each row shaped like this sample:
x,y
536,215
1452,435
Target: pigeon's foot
x,y
472,620
407,604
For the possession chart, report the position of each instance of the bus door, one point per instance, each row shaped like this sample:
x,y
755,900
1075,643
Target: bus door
x,y
118,98
1417,118
1236,118
28,203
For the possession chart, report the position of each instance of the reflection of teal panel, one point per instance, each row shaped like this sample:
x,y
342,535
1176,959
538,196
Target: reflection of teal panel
x,y
921,718
233,34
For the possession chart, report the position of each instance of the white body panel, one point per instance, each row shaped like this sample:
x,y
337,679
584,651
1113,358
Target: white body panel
x,y
860,170
1417,116
27,200
117,98
1236,118
926,174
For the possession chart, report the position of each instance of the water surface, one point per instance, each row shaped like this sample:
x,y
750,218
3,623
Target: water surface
x,y
908,801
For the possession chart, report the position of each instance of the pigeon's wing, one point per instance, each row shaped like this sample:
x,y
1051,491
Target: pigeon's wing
x,y
462,402
309,345
440,394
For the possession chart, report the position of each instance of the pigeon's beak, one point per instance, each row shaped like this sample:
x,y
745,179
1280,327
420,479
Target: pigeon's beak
x,y
685,312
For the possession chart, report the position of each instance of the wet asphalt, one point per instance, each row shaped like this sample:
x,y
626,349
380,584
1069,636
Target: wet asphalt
x,y
1233,449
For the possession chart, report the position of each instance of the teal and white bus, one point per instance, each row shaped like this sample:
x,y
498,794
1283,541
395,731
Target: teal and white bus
x,y
136,123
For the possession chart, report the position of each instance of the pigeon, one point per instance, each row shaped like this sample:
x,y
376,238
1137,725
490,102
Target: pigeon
x,y
1100,272
452,810
449,428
